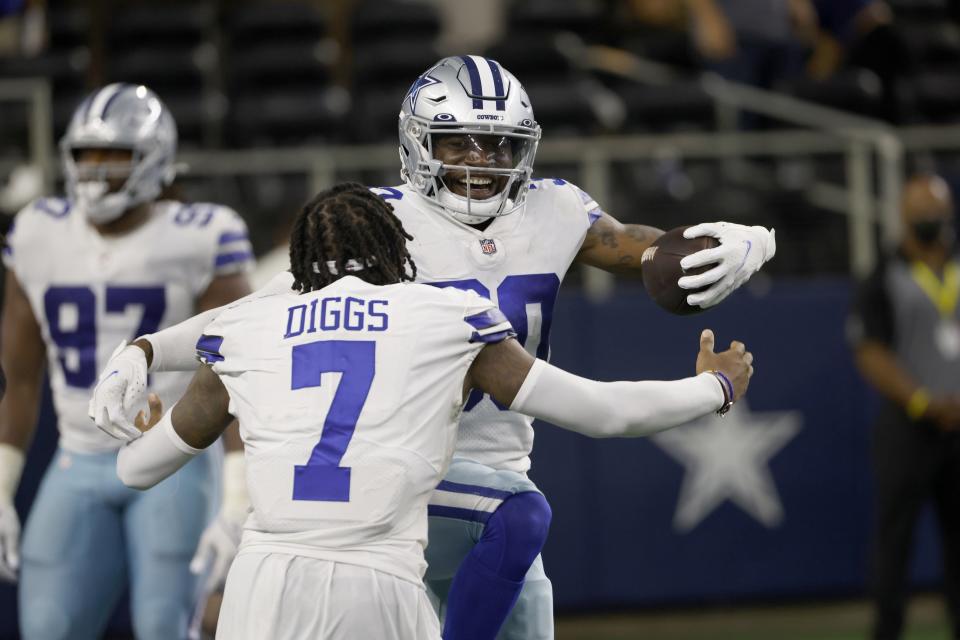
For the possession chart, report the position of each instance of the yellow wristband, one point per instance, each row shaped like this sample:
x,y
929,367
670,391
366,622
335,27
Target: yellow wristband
x,y
918,403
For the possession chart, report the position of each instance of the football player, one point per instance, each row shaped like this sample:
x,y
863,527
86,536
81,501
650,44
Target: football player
x,y
110,262
468,139
348,387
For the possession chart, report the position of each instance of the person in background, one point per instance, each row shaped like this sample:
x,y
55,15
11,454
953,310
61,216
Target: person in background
x,y
905,331
861,33
756,42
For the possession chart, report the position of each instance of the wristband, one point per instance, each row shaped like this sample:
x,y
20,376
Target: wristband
x,y
727,391
918,403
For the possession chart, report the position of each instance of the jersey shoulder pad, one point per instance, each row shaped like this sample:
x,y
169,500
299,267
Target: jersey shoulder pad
x,y
391,194
220,231
567,199
36,222
228,335
487,324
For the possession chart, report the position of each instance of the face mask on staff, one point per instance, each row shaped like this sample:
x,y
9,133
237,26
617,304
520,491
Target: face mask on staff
x,y
931,232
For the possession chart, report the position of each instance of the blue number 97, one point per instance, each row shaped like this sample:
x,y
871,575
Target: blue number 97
x,y
322,478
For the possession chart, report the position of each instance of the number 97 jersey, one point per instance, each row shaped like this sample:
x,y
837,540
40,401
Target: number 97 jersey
x,y
90,292
348,400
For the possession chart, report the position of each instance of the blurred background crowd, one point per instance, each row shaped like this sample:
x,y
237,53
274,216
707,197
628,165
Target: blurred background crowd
x,y
803,115
241,75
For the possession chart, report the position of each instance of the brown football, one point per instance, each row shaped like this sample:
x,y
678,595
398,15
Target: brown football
x,y
661,269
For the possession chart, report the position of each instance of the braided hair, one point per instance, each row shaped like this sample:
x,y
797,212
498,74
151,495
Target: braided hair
x,y
347,230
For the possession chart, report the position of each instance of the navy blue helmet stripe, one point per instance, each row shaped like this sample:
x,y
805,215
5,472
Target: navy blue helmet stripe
x,y
106,107
476,88
497,83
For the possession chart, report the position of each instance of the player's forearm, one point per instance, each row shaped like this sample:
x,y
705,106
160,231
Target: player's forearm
x,y
879,366
157,455
19,411
609,409
617,248
174,348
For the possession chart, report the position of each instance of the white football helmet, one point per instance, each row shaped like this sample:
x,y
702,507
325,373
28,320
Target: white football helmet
x,y
469,96
119,116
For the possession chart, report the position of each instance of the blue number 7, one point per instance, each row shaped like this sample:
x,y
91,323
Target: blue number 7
x,y
322,478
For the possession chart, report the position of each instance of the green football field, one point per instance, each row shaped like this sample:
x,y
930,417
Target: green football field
x,y
831,621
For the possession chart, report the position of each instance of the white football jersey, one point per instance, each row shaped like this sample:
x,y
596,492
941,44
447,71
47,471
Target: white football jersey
x,y
89,292
348,400
518,262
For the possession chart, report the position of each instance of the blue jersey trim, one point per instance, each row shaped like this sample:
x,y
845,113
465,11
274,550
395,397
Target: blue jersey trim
x,y
486,319
473,489
437,511
492,338
208,349
232,236
229,258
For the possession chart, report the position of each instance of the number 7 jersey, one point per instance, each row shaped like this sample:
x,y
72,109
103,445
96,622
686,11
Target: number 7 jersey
x,y
89,292
348,400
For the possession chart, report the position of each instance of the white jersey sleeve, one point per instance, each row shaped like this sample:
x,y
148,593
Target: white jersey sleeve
x,y
221,237
348,400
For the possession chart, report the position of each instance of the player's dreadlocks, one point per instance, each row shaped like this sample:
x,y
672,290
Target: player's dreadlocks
x,y
347,230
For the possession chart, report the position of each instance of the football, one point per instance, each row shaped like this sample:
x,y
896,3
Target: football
x,y
661,269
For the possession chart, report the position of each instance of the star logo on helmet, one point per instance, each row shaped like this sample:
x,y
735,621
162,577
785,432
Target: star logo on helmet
x,y
425,80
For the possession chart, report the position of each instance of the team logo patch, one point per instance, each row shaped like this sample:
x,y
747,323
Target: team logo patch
x,y
488,246
425,80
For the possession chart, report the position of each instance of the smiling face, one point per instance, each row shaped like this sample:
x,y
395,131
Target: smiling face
x,y
474,150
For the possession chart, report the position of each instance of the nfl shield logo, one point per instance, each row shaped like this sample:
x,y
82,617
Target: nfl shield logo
x,y
488,246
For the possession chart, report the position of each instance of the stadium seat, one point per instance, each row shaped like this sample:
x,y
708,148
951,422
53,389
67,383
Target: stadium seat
x,y
293,116
549,16
372,21
677,106
167,26
278,75
855,90
259,22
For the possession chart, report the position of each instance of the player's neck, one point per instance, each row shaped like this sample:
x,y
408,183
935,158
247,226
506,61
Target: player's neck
x,y
130,220
482,226
934,256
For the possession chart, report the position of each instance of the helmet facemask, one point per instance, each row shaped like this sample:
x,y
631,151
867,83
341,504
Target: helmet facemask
x,y
106,190
503,164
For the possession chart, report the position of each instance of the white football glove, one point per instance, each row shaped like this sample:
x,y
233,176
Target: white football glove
x,y
219,542
741,253
119,389
11,464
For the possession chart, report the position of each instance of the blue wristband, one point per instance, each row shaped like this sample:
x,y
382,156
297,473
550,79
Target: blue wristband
x,y
728,386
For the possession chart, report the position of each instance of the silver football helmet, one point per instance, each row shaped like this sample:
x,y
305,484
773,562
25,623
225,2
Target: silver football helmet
x,y
477,99
119,116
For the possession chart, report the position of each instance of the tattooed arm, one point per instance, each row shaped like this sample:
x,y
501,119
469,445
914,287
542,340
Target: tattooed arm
x,y
616,247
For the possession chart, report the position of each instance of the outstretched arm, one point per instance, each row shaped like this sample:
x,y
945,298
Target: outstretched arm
x,y
605,409
193,424
618,248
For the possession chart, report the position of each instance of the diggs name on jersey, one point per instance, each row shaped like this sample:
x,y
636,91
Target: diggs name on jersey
x,y
336,312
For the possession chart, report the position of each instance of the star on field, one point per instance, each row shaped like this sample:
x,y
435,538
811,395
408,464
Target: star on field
x,y
727,459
